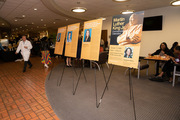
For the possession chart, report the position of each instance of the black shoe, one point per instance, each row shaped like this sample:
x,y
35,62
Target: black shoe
x,y
30,66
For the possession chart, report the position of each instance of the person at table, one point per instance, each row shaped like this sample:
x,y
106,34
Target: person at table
x,y
162,51
1,47
175,44
87,36
169,66
25,47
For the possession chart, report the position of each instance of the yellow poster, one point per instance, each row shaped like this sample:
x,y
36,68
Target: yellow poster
x,y
91,40
60,41
126,39
72,40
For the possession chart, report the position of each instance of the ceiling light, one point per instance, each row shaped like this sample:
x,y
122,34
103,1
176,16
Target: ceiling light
x,y
127,11
175,3
23,16
54,22
25,25
44,24
16,20
41,19
3,24
120,0
20,27
35,8
66,19
37,26
32,23
78,9
31,28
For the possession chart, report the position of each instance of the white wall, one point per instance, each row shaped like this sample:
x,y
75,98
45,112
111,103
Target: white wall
x,y
152,39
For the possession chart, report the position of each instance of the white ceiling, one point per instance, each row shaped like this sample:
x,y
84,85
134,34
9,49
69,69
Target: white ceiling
x,y
59,10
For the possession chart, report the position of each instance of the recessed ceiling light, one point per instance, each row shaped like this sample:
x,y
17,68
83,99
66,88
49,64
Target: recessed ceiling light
x,y
25,25
54,22
37,26
32,23
41,19
23,16
16,20
127,11
67,19
44,24
3,24
20,27
120,0
35,8
78,9
175,3
31,28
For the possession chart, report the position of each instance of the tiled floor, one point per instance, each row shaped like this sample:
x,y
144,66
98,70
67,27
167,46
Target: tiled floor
x,y
22,95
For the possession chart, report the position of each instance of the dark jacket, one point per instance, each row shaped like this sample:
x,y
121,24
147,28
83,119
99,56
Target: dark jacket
x,y
168,52
88,40
45,45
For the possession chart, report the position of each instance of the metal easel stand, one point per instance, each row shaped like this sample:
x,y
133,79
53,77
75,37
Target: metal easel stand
x,y
132,93
59,81
130,90
79,77
51,69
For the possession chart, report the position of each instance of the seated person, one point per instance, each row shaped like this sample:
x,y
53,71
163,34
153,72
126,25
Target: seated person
x,y
173,46
162,51
1,47
169,66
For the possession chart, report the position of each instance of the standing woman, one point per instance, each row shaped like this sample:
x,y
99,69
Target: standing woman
x,y
25,47
46,59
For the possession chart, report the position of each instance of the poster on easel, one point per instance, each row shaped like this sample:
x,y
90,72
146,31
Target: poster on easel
x,y
91,40
126,39
61,34
72,40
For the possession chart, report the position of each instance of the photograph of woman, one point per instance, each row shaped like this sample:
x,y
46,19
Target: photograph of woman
x,y
69,37
58,37
87,37
132,31
128,53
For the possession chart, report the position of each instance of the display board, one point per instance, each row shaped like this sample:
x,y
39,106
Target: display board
x,y
91,40
61,34
126,39
72,40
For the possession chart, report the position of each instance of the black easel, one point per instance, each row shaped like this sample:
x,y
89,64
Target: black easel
x,y
59,81
51,69
130,90
82,71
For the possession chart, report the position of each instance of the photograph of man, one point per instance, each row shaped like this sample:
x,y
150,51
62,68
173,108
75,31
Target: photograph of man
x,y
87,36
128,53
132,31
58,37
69,36
25,47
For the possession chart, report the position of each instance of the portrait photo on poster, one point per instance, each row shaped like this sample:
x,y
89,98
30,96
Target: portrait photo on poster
x,y
132,31
127,29
58,37
128,53
69,36
87,35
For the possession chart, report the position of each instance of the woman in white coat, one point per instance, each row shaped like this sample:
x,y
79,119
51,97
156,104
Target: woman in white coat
x,y
25,47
